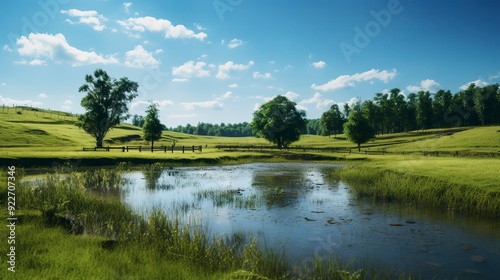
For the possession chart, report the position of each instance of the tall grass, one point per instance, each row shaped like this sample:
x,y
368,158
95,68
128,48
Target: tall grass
x,y
423,191
71,231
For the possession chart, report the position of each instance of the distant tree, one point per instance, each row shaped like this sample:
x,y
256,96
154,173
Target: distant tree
x,y
138,120
332,120
279,121
106,103
424,110
152,127
357,128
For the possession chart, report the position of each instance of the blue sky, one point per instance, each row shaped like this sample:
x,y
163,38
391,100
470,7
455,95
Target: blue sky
x,y
218,60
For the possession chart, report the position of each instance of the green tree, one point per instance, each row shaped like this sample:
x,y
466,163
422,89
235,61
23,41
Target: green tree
x,y
279,121
332,120
138,120
152,128
106,103
357,128
424,110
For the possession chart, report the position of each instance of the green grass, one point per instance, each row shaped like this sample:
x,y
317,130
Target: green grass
x,y
48,246
468,186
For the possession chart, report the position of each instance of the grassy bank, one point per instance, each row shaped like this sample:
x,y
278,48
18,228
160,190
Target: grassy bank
x,y
467,186
66,230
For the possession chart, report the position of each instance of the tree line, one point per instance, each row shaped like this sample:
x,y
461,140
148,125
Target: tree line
x,y
279,121
394,112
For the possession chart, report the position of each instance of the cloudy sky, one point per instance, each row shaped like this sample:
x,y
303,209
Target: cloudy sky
x,y
218,60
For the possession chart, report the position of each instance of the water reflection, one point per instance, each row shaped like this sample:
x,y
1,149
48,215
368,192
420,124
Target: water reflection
x,y
308,211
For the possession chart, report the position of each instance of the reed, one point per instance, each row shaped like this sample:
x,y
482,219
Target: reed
x,y
423,191
72,232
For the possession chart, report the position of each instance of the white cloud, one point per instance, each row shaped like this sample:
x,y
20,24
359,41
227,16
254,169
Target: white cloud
x,y
199,27
213,104
44,47
229,66
3,84
190,69
140,58
34,62
235,43
161,103
233,86
67,104
180,80
142,24
258,75
318,100
90,18
164,103
494,77
7,48
319,64
344,81
42,95
127,6
9,102
227,95
477,83
425,85
291,95
182,116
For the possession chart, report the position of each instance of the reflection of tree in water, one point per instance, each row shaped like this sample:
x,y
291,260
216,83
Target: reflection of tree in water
x,y
280,187
103,181
330,175
151,178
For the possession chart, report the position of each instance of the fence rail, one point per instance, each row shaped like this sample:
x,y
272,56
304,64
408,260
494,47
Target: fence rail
x,y
147,148
296,148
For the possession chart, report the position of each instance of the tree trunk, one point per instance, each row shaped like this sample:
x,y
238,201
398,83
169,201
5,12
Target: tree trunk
x,y
98,142
152,144
359,147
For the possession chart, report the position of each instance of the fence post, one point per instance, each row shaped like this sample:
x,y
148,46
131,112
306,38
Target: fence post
x,y
193,148
182,149
123,149
140,148
165,148
172,148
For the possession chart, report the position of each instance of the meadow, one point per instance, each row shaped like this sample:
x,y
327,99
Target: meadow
x,y
468,184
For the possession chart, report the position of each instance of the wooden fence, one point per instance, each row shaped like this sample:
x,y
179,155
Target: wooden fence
x,y
269,148
147,148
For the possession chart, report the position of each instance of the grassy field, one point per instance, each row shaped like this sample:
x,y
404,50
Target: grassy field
x,y
469,184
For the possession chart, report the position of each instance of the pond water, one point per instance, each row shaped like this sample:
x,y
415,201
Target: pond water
x,y
303,210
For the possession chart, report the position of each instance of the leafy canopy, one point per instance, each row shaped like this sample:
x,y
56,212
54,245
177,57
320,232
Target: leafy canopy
x,y
357,128
279,121
152,127
106,103
332,120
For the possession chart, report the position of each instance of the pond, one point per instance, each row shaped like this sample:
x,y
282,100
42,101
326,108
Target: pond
x,y
303,210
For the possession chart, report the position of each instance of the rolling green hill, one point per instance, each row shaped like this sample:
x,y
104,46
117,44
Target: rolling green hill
x,y
40,133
